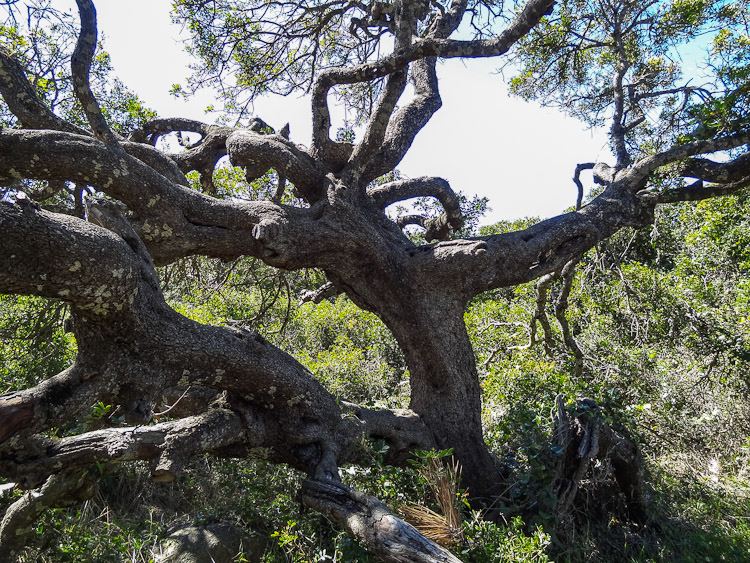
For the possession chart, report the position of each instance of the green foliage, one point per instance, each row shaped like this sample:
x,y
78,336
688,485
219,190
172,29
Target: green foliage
x,y
33,342
684,65
662,317
350,351
42,38
488,542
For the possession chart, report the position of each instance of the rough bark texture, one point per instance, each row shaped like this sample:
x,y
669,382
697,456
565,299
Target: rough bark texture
x,y
242,395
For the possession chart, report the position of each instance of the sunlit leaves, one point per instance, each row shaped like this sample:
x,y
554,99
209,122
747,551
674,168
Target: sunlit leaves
x,y
253,47
683,65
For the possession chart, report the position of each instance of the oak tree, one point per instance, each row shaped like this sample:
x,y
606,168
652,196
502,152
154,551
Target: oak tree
x,y
676,135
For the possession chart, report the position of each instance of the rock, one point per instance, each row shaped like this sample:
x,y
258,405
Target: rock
x,y
211,543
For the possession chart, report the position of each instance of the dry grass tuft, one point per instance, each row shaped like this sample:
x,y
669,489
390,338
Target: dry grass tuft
x,y
444,529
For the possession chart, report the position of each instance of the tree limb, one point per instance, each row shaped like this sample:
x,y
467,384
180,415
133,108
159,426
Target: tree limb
x,y
80,64
370,521
60,490
23,101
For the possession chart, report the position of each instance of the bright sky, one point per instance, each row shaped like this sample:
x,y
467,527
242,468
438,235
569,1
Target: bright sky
x,y
482,141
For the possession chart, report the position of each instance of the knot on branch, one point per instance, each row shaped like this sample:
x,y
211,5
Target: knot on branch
x,y
604,174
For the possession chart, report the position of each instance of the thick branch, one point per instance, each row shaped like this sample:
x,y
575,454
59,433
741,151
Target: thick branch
x,y
23,101
51,403
720,172
404,126
698,191
370,521
425,186
439,228
440,47
63,257
170,445
259,153
172,220
645,166
477,265
376,128
403,430
81,66
155,128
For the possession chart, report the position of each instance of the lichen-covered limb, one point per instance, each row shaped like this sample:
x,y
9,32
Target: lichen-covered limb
x,y
406,220
61,489
436,228
169,445
33,113
540,313
698,191
376,126
125,330
561,306
80,64
22,100
216,429
172,220
51,403
475,265
405,21
425,186
369,521
512,258
618,129
449,20
63,257
204,155
440,47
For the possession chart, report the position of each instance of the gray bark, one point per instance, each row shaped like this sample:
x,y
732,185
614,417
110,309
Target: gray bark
x,y
246,397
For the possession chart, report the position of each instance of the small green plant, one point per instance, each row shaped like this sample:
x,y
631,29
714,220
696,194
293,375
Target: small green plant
x,y
489,542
